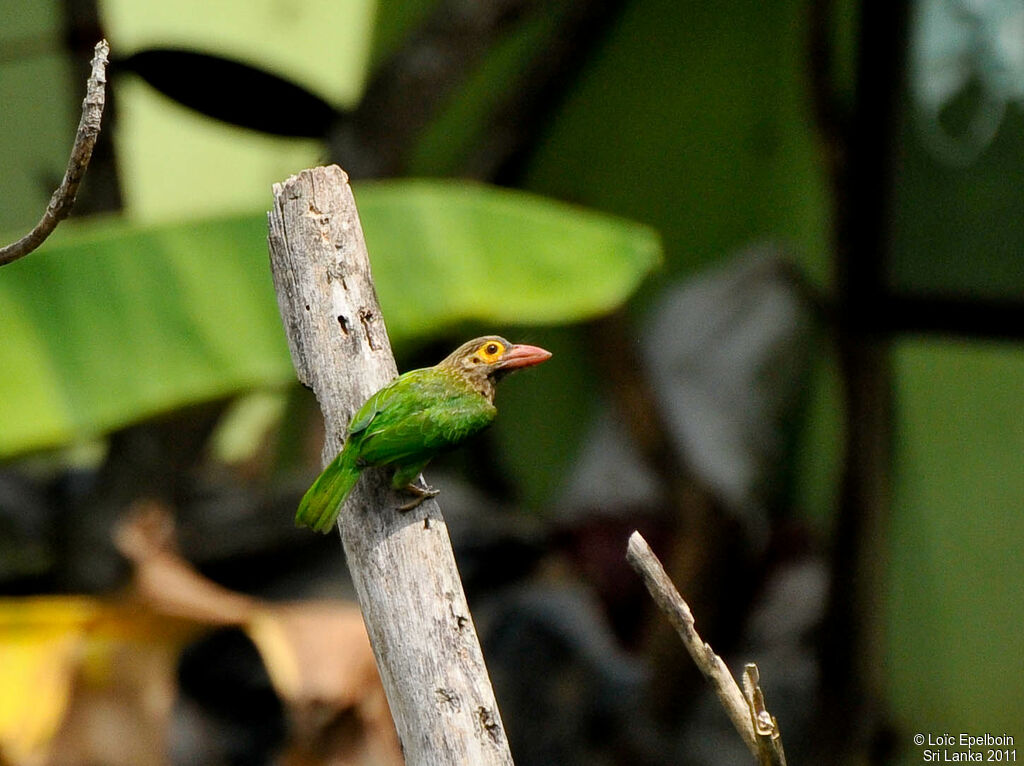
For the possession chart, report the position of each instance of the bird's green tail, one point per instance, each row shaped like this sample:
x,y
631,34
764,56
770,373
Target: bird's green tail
x,y
319,507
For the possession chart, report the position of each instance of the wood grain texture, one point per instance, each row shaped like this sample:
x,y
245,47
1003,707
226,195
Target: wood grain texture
x,y
402,564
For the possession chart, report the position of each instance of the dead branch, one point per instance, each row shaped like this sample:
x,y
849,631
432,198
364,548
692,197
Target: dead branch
x,y
755,725
81,152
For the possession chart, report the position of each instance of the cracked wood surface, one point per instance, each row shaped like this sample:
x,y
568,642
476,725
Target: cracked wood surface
x,y
402,564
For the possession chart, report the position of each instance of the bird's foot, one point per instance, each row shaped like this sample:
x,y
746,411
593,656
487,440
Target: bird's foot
x,y
420,494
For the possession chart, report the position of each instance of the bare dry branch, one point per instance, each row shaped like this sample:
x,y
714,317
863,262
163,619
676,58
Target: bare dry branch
x,y
747,714
85,139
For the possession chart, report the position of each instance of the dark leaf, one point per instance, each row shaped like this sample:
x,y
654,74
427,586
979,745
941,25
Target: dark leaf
x,y
232,91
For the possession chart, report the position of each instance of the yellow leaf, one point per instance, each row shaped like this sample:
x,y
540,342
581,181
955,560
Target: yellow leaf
x,y
41,643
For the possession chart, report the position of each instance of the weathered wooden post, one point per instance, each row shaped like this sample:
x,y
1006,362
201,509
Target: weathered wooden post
x,y
402,564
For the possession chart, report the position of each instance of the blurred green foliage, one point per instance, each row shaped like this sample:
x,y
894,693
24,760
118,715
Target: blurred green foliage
x,y
453,252
115,321
695,119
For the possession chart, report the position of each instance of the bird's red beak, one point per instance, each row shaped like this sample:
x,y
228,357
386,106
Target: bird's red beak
x,y
522,355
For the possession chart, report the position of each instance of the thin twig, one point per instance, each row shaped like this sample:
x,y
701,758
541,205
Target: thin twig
x,y
745,715
85,139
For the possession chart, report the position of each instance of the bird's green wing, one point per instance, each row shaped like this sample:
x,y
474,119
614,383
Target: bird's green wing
x,y
365,414
424,433
423,413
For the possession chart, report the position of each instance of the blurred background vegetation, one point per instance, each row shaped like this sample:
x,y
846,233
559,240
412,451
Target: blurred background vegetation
x,y
775,247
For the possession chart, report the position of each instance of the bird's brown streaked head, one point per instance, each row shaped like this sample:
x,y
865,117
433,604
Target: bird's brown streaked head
x,y
487,359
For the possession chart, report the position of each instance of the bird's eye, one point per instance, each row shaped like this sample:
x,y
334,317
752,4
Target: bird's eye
x,y
491,351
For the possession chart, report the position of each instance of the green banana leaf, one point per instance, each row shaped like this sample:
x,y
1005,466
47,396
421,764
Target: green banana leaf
x,y
114,322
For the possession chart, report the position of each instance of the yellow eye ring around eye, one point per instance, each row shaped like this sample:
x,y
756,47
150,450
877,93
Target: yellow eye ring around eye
x,y
491,351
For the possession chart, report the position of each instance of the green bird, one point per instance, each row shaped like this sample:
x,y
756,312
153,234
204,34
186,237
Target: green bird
x,y
412,419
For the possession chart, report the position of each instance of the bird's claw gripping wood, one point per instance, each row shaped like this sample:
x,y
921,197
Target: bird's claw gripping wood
x,y
413,418
420,494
